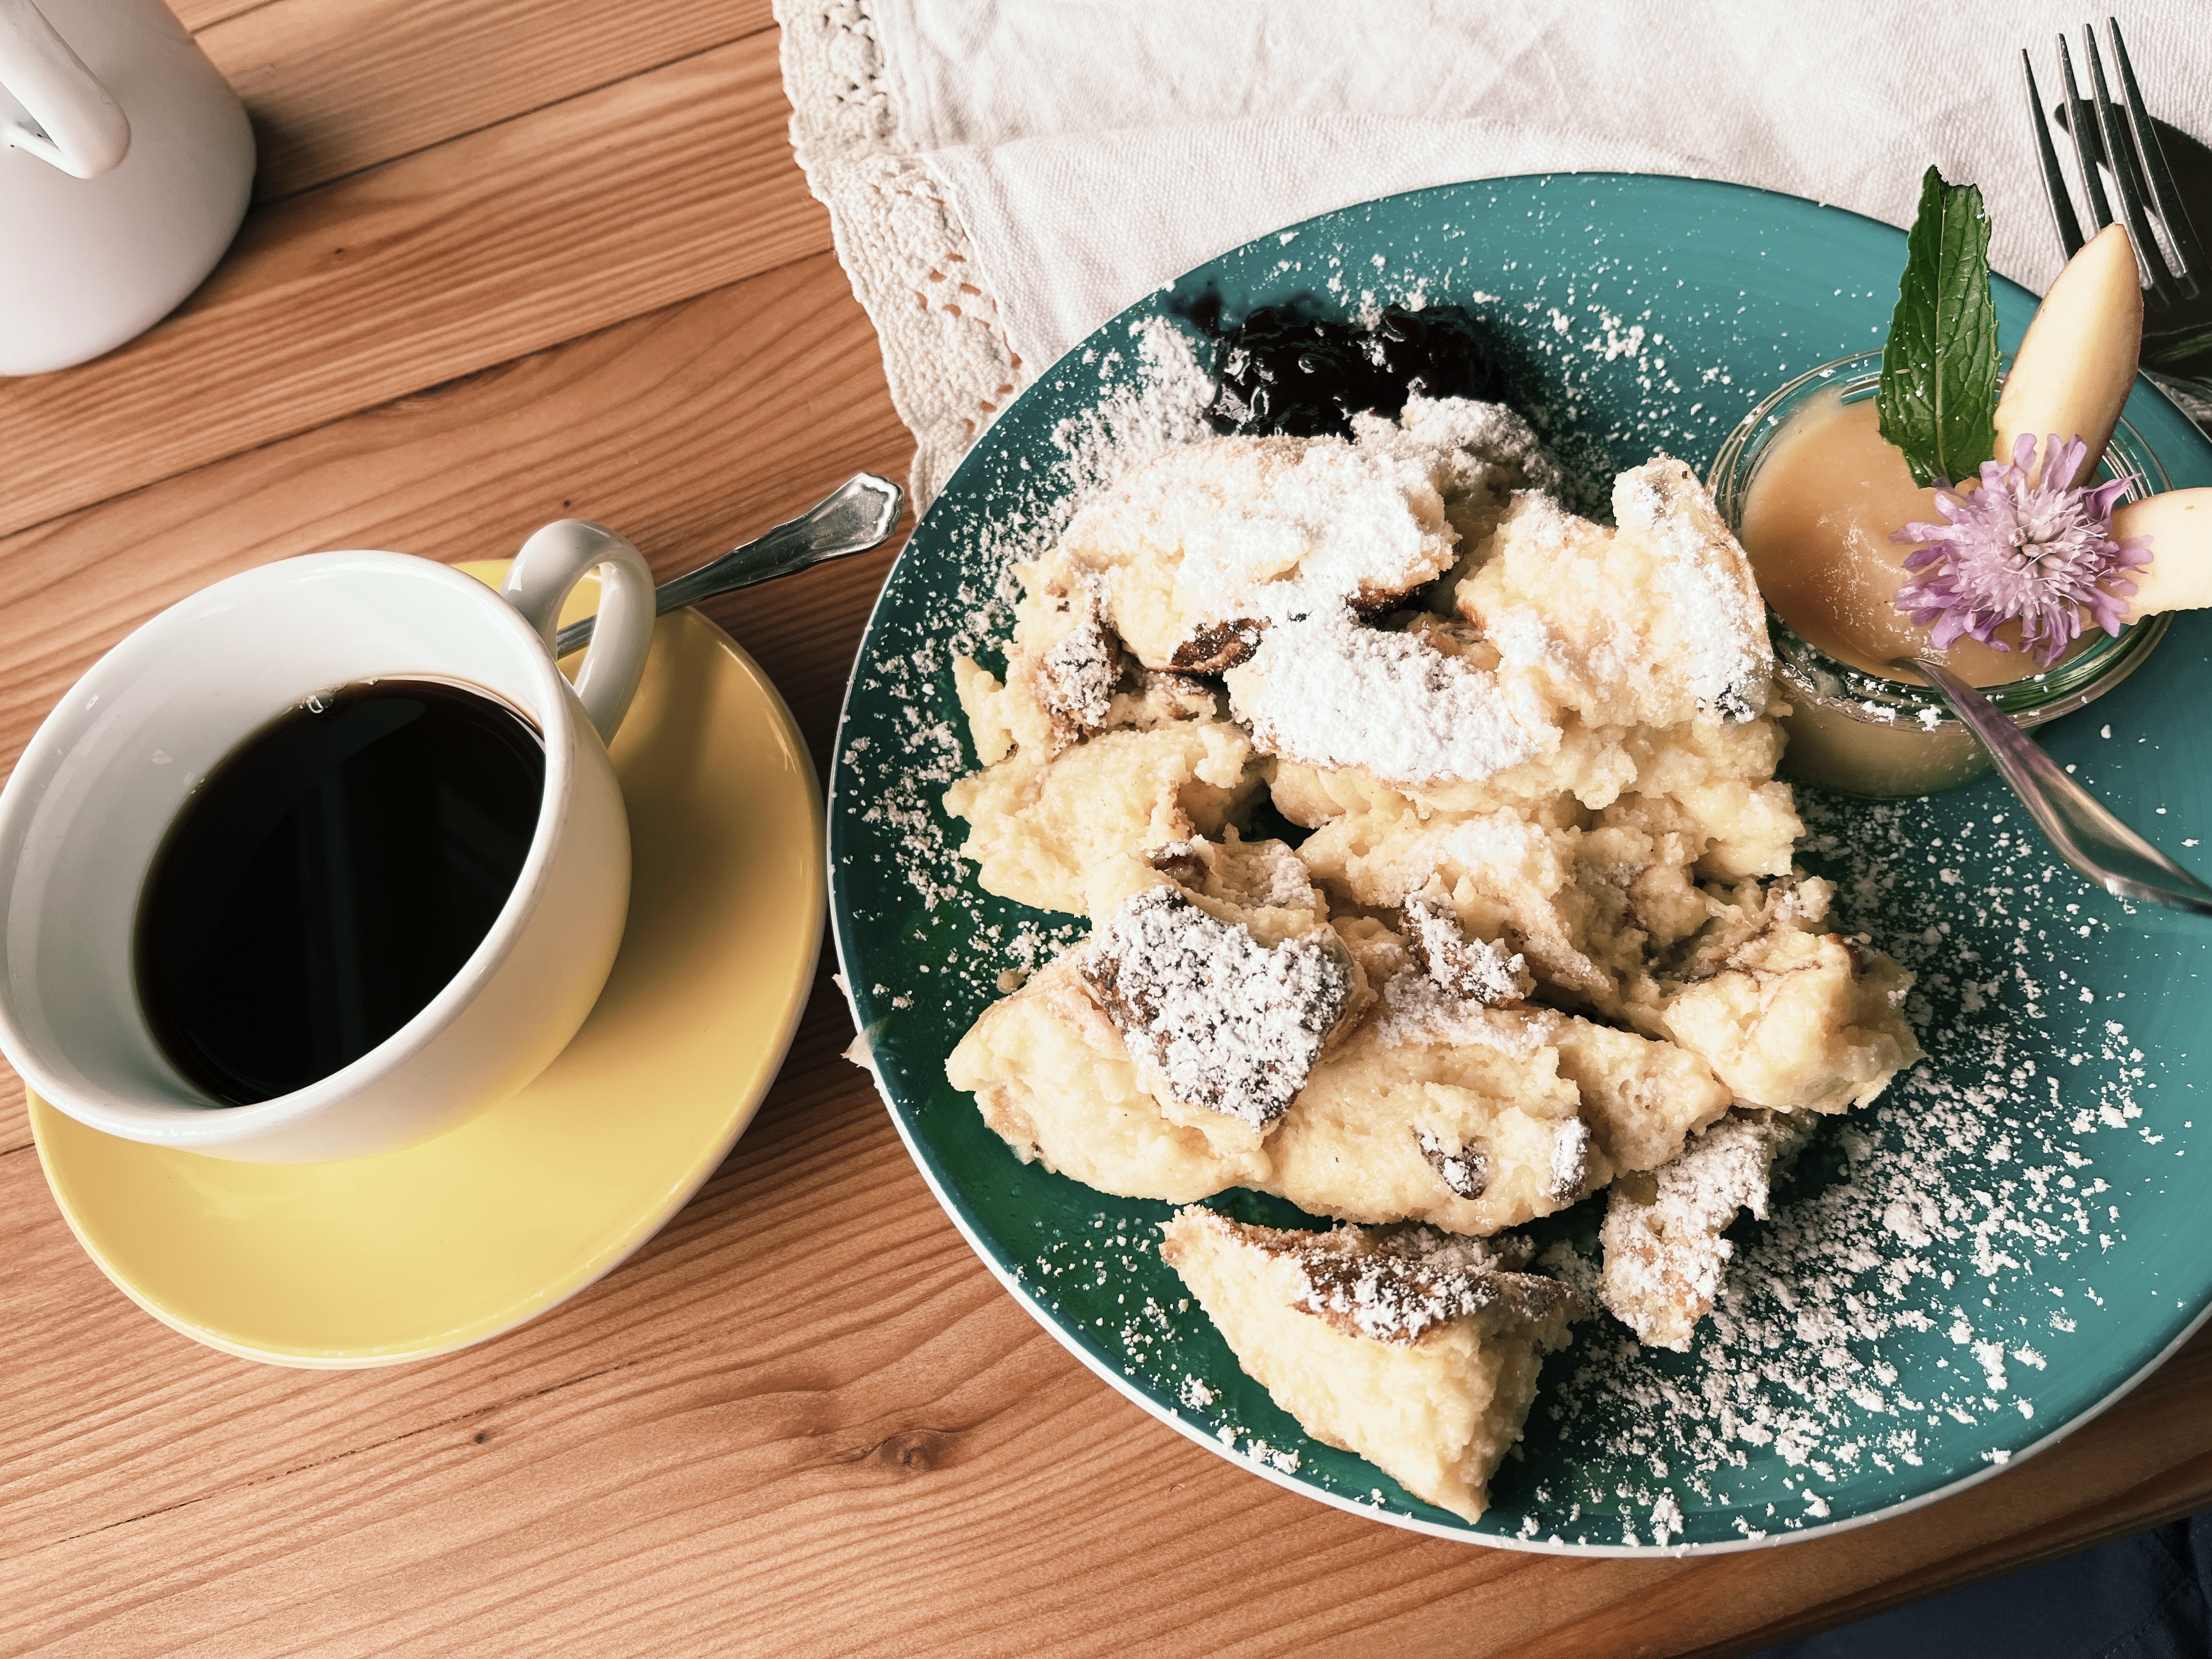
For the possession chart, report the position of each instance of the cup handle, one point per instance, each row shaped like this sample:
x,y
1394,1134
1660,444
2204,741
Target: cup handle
x,y
551,563
79,127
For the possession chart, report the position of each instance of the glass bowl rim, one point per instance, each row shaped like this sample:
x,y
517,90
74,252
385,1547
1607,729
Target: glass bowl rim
x,y
1879,699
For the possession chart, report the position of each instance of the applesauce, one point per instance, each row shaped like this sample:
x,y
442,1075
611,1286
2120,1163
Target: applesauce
x,y
1812,491
1816,526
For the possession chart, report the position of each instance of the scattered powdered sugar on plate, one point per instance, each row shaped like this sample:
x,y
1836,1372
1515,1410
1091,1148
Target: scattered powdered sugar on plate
x,y
1158,404
1932,1264
1806,1356
1814,1358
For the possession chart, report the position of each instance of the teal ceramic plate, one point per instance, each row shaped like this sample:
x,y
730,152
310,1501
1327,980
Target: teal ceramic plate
x,y
2009,1241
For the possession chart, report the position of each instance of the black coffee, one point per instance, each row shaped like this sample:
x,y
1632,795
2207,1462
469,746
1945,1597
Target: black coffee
x,y
330,878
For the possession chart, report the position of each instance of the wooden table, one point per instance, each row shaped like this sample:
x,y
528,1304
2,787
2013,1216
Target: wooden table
x,y
517,258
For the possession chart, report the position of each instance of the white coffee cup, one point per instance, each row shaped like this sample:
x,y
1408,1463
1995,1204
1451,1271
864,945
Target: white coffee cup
x,y
86,811
125,166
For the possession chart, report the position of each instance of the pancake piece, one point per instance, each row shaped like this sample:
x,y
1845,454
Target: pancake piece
x,y
1474,1115
1640,1097
1790,1017
1468,1126
1063,668
1037,827
1718,773
1154,1060
1664,1251
1219,1023
1572,902
1477,454
1053,1079
1412,706
1202,547
1413,1351
1652,623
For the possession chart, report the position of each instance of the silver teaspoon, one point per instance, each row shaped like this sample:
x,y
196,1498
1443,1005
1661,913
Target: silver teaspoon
x,y
2084,831
858,514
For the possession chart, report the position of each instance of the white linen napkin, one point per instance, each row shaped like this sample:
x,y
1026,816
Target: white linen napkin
x,y
1004,175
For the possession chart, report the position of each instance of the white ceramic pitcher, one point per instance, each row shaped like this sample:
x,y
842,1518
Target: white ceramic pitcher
x,y
126,164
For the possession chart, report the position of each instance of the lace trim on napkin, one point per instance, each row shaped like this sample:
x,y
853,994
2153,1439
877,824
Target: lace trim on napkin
x,y
898,236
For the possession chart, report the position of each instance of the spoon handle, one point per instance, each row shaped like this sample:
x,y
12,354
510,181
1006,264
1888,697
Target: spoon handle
x,y
858,514
2085,831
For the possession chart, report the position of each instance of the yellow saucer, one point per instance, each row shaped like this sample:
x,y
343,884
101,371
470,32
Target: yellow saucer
x,y
419,1252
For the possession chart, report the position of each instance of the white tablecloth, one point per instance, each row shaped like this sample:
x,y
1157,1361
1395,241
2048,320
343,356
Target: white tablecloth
x,y
1004,175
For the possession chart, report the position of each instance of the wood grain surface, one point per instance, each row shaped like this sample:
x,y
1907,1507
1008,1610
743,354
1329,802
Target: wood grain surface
x,y
517,259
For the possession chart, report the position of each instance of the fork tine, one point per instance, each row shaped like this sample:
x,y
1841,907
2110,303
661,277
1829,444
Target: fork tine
x,y
2122,155
2188,251
2077,123
2054,181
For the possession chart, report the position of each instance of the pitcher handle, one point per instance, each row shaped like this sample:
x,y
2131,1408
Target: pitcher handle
x,y
552,561
79,127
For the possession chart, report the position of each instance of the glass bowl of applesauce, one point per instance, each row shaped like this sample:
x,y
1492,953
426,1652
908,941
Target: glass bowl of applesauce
x,y
1811,491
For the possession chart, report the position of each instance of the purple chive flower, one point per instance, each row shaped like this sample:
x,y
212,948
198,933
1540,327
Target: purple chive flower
x,y
2015,550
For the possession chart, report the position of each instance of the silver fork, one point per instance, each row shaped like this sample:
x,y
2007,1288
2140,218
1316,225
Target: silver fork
x,y
2178,299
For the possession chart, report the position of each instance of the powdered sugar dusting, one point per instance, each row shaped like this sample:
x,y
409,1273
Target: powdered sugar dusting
x,y
1482,970
1078,674
1229,1023
1328,691
1724,622
1271,529
1397,1284
1471,446
1416,1009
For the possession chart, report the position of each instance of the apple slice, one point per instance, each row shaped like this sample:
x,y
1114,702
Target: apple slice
x,y
2074,370
2180,575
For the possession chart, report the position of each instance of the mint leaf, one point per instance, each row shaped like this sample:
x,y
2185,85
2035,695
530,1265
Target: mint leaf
x,y
1939,371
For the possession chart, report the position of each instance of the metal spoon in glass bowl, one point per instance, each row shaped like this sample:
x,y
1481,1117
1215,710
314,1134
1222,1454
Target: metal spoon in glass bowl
x,y
858,514
2084,831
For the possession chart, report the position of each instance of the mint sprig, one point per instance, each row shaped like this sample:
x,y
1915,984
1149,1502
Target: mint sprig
x,y
1939,372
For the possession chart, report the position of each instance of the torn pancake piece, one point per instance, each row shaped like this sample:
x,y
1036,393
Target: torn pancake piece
x,y
1204,545
1053,1079
1328,690
1412,1350
1436,1108
1651,623
1791,1017
1035,827
1665,1252
1215,1020
1063,668
1478,455
1474,970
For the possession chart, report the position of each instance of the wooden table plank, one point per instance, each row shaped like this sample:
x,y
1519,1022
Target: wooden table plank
x,y
430,267
688,429
197,14
114,1418
338,86
717,1470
